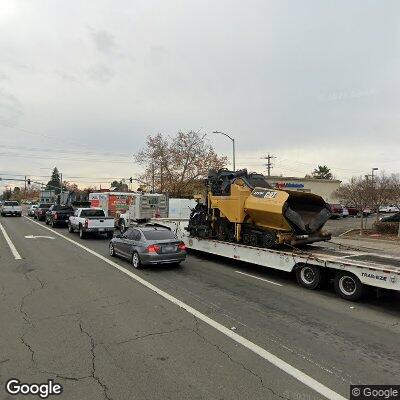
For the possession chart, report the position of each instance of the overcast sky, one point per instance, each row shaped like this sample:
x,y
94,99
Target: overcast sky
x,y
82,83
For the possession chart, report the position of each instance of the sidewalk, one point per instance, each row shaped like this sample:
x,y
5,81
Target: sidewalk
x,y
367,244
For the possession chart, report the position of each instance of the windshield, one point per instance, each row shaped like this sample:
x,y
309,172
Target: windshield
x,y
11,203
45,205
92,213
158,235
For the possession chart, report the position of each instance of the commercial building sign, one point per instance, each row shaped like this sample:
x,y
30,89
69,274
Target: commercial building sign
x,y
288,185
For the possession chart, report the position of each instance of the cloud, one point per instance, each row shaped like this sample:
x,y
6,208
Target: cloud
x,y
10,108
100,73
104,41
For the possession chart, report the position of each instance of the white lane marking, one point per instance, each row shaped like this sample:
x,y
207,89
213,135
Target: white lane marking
x,y
10,243
257,277
274,360
39,237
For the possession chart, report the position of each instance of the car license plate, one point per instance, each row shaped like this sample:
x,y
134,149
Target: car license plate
x,y
168,249
101,230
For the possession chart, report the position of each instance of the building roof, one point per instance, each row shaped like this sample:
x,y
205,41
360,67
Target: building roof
x,y
304,179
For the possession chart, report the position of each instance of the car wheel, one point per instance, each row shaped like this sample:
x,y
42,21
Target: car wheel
x,y
122,227
111,250
136,260
348,286
109,235
309,276
82,233
70,228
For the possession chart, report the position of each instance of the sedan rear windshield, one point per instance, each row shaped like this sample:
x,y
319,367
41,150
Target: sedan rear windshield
x,y
45,205
92,213
62,208
11,203
158,234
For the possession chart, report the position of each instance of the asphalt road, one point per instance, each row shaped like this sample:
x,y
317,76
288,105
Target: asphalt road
x,y
69,315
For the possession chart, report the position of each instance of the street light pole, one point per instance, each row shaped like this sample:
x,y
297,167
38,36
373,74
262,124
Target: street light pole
x,y
372,175
233,147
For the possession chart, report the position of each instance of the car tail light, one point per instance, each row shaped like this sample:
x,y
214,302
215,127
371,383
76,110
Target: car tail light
x,y
153,248
86,223
55,216
182,246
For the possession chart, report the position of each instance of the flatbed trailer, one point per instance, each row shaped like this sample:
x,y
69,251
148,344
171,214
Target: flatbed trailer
x,y
352,270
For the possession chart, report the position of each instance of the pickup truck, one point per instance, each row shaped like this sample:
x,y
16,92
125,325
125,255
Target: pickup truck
x,y
11,208
58,215
91,220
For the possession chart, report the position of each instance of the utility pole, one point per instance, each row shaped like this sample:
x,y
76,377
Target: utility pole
x,y
152,177
269,165
161,176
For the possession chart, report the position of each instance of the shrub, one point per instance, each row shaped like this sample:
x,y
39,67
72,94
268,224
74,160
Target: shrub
x,y
386,227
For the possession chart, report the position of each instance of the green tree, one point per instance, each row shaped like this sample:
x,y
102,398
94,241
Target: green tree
x,y
55,182
322,172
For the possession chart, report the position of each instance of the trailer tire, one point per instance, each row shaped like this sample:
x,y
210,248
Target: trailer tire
x,y
348,286
309,276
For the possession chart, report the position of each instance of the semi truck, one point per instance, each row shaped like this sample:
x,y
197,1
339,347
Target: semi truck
x,y
353,271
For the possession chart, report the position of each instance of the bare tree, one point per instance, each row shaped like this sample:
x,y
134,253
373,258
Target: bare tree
x,y
178,164
394,196
380,190
358,194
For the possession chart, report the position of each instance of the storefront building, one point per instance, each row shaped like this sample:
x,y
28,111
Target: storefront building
x,y
323,187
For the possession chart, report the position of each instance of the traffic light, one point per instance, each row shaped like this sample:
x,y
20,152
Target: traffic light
x,y
29,181
130,179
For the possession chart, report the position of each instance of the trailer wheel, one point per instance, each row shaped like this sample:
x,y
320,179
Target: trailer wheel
x,y
348,286
309,276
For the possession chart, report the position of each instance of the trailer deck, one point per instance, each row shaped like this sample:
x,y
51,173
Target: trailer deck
x,y
371,268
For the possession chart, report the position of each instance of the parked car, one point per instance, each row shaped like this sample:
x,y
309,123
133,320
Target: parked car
x,y
366,212
388,209
391,218
40,212
345,212
91,220
58,215
11,208
353,211
31,210
336,210
147,245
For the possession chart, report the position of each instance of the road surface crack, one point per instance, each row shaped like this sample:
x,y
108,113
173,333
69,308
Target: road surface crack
x,y
196,330
148,335
93,359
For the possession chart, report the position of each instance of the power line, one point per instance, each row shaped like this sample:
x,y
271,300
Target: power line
x,y
63,159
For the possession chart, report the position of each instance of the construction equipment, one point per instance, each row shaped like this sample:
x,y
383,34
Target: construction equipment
x,y
243,208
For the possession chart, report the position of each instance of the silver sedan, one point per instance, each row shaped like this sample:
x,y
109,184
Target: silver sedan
x,y
148,245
